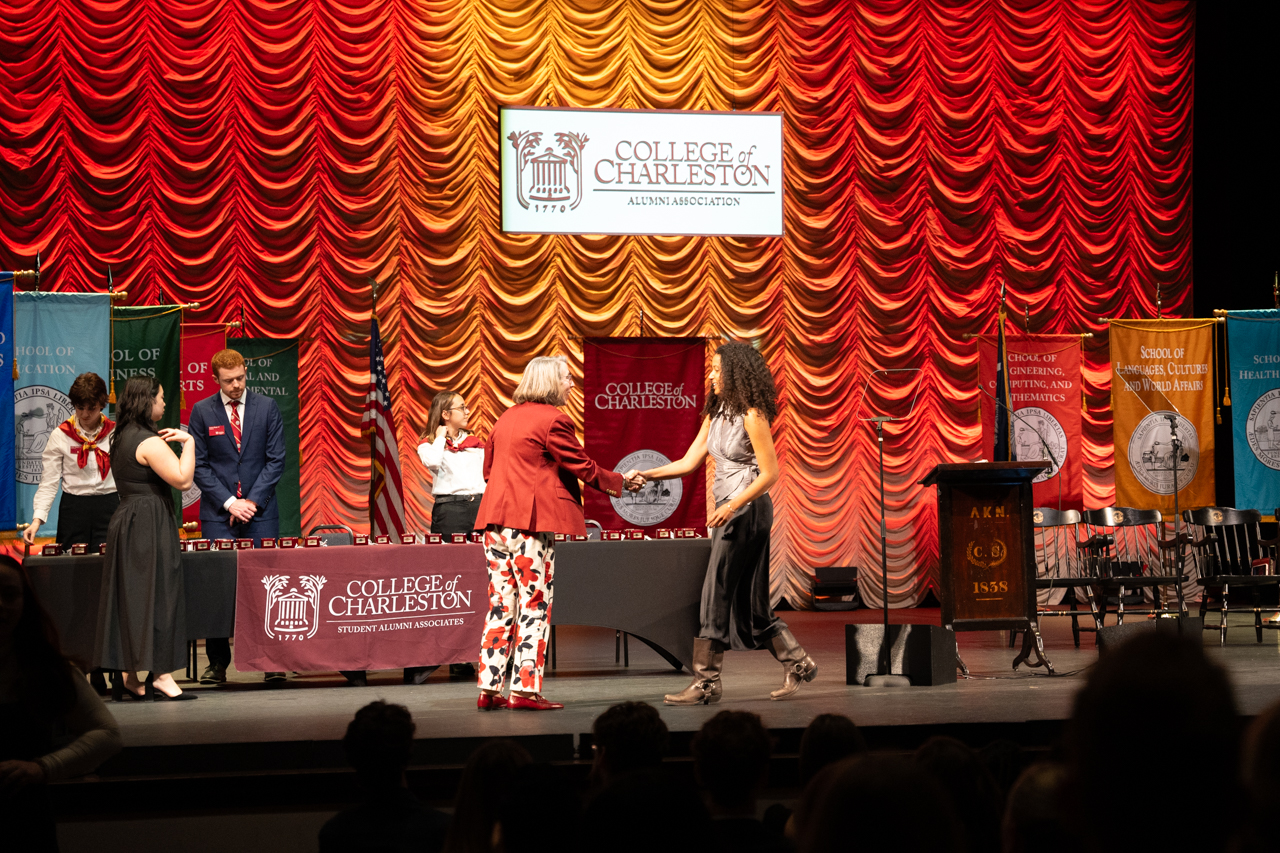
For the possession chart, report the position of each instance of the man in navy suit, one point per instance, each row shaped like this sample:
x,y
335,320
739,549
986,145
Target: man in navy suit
x,y
239,437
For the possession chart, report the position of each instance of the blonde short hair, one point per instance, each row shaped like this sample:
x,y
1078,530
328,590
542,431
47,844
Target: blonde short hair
x,y
541,381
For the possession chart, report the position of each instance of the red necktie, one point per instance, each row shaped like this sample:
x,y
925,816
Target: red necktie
x,y
235,432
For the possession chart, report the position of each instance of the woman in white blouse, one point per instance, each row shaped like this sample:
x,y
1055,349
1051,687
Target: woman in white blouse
x,y
455,459
77,456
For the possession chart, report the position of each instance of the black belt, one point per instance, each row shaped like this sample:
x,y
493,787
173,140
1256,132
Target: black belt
x,y
448,499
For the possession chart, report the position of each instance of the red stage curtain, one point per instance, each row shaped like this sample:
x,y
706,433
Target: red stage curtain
x,y
271,157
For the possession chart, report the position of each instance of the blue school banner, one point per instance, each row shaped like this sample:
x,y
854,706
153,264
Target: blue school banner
x,y
57,336
1253,339
8,485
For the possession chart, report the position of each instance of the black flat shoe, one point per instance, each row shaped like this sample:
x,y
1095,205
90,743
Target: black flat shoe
x,y
161,696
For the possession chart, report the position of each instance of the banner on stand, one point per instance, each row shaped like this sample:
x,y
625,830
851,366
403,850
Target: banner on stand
x,y
8,485
57,336
1046,391
199,343
1253,341
642,408
272,365
1162,374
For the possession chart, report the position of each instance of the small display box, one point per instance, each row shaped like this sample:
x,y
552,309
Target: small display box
x,y
408,539
560,537
267,543
244,544
53,550
687,533
79,548
580,537
434,538
633,534
312,542
610,536
665,534
458,538
361,538
102,549
382,540
224,544
201,545
288,541
476,537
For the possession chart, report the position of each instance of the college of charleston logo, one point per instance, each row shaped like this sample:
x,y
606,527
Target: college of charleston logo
x,y
550,179
292,615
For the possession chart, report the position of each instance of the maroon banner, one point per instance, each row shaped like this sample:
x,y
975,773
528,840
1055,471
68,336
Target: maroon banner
x,y
199,342
359,607
642,408
1047,398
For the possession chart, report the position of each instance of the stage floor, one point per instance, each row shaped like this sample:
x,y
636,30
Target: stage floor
x,y
318,706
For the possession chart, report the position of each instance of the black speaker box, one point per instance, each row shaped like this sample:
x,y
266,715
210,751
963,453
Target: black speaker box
x,y
924,653
1110,637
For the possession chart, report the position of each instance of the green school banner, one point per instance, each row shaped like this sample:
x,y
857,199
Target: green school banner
x,y
272,366
147,341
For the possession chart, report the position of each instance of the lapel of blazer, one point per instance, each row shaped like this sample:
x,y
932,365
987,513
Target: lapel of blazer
x,y
220,412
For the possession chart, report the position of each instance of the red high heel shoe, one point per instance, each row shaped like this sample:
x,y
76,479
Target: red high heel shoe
x,y
491,702
535,702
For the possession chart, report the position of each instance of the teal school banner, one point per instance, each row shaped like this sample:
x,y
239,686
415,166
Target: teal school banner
x,y
272,367
8,485
56,337
1253,339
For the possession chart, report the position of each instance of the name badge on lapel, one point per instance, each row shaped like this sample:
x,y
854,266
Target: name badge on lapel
x,y
217,430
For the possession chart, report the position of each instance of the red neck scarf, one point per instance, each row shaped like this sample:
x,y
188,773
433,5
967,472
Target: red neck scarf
x,y
82,446
466,444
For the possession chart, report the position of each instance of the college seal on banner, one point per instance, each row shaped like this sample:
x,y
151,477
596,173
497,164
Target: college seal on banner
x,y
1263,429
654,503
1027,448
1151,457
37,411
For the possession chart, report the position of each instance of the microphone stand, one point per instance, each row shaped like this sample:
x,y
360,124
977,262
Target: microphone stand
x,y
883,676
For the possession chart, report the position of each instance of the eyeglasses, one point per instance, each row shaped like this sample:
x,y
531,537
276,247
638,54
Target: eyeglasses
x,y
459,409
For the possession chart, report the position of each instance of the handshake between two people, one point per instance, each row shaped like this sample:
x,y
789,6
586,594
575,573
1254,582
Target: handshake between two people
x,y
634,480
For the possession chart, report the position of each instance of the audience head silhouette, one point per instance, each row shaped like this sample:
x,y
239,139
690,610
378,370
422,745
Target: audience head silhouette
x,y
378,743
491,802
1145,700
731,761
828,739
629,736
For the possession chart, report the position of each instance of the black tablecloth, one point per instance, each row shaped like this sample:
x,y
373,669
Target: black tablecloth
x,y
650,589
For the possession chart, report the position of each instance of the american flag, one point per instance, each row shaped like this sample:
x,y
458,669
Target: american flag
x,y
386,506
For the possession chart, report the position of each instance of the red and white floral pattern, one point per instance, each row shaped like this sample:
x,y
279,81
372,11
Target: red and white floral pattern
x,y
515,632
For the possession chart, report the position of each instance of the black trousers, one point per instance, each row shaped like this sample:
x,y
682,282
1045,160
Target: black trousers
x,y
455,516
84,519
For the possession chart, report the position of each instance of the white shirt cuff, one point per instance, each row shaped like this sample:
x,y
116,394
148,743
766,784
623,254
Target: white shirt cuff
x,y
229,501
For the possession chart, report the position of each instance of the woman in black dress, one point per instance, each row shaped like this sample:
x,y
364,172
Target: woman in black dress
x,y
141,618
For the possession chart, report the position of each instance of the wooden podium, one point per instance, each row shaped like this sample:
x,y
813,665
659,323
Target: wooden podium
x,y
987,550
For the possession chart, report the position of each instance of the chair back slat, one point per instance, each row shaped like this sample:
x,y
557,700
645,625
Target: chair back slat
x,y
1056,533
1228,542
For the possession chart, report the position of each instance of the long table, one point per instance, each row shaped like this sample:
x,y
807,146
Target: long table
x,y
649,589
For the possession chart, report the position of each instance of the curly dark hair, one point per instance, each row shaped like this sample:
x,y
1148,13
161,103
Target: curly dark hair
x,y
747,384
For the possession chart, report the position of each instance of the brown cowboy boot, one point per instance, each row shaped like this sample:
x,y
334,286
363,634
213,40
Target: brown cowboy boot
x,y
800,667
708,655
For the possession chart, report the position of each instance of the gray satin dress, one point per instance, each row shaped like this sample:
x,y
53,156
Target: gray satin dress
x,y
142,607
735,594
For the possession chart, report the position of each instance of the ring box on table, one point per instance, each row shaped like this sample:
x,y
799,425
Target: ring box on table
x,y
224,544
580,537
267,543
200,544
611,536
311,542
51,551
434,539
686,533
80,548
102,549
665,534
382,539
476,537
558,537
287,542
458,538
361,538
244,544
632,534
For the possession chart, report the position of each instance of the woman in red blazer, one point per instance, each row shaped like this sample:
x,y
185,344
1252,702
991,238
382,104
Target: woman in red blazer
x,y
532,464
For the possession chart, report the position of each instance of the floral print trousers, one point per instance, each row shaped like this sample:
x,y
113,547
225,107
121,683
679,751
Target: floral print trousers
x,y
521,566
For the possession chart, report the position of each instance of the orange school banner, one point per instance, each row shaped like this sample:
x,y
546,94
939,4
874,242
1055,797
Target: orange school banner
x,y
1162,369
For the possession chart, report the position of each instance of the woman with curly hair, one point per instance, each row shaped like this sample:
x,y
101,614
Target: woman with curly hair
x,y
735,595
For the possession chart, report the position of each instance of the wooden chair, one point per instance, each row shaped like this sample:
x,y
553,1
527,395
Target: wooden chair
x,y
1058,566
1230,552
1125,553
